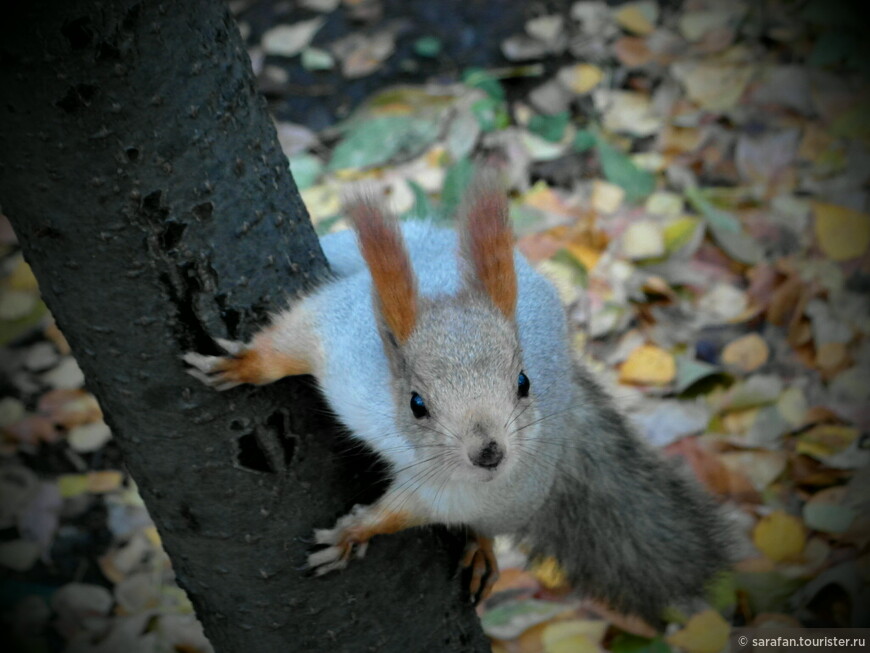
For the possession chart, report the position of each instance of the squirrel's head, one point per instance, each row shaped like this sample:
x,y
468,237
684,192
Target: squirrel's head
x,y
463,398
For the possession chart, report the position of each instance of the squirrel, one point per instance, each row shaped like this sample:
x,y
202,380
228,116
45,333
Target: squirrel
x,y
448,354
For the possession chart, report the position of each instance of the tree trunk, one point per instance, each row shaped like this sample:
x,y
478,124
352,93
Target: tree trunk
x,y
144,180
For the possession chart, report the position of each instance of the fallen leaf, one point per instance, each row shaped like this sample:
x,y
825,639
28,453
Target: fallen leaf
x,y
549,573
620,170
747,353
648,365
632,51
580,78
642,240
761,468
509,619
19,555
843,233
638,17
715,87
824,440
779,536
89,437
363,54
705,632
573,636
290,40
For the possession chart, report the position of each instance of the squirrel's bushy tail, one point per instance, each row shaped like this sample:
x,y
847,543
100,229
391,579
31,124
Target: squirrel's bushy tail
x,y
627,526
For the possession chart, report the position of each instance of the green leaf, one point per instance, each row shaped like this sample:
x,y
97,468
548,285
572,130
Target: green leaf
x,y
551,128
486,82
722,591
422,208
427,46
690,371
490,114
305,169
628,643
828,518
584,140
620,170
456,180
726,229
12,329
376,141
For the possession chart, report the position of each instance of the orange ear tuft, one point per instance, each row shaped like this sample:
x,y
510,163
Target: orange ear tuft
x,y
381,245
487,243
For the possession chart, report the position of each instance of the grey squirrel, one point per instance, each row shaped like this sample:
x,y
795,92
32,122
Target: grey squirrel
x,y
448,355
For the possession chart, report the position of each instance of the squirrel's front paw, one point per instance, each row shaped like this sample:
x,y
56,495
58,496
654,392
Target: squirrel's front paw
x,y
349,535
220,372
480,559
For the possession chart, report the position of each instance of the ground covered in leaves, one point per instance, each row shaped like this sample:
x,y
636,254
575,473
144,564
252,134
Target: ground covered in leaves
x,y
693,179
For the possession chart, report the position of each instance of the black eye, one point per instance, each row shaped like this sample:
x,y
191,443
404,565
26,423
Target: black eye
x,y
418,406
523,385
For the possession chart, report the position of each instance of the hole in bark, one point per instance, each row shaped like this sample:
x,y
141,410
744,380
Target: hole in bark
x,y
203,211
189,518
107,52
77,33
132,154
151,202
131,17
251,455
170,235
236,425
279,421
76,97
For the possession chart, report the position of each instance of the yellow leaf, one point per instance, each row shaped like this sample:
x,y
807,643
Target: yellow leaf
x,y
638,17
648,365
826,440
779,536
72,485
747,353
21,277
549,573
587,255
843,233
706,632
573,644
581,78
573,635
679,232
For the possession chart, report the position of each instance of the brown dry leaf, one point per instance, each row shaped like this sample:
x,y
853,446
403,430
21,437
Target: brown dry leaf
x,y
705,632
761,468
842,233
632,51
69,408
832,358
32,430
105,481
573,636
706,465
362,55
780,536
714,86
746,353
648,365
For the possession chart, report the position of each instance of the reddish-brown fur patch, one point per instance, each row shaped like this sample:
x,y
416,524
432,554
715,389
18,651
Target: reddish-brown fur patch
x,y
487,244
262,363
382,247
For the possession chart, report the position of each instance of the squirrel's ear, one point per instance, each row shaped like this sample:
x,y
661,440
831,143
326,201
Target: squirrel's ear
x,y
486,242
382,247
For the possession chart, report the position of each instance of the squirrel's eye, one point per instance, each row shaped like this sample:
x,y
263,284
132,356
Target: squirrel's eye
x,y
418,406
523,385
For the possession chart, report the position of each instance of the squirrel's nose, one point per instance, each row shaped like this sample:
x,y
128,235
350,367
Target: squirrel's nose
x,y
489,456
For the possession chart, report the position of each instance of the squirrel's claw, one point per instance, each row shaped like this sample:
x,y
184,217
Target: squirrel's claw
x,y
343,540
480,558
211,370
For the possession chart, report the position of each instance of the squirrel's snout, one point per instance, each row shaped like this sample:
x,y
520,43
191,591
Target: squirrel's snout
x,y
489,456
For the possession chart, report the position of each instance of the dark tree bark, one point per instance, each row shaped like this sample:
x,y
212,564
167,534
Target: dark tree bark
x,y
145,183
